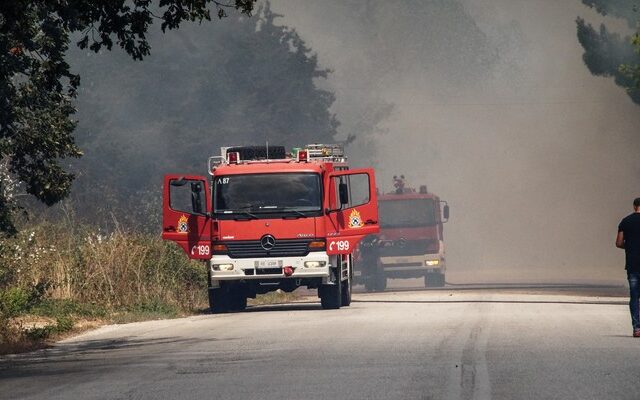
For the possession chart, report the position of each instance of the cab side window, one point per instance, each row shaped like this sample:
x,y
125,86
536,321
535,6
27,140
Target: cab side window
x,y
357,189
337,181
187,195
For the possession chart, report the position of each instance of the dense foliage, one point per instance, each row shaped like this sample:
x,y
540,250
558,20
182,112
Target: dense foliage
x,y
37,85
212,85
608,53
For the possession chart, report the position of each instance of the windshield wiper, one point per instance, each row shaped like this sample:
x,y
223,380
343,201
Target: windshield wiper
x,y
245,212
299,214
279,209
252,211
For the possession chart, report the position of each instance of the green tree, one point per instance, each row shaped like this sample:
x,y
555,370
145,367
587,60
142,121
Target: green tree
x,y
37,86
609,54
632,71
212,85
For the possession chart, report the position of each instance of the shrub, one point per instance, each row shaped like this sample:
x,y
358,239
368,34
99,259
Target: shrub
x,y
64,270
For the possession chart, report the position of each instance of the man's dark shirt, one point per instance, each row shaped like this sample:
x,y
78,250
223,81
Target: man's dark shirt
x,y
630,228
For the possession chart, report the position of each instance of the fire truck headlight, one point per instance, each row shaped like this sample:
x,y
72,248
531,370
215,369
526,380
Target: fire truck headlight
x,y
222,267
431,263
314,264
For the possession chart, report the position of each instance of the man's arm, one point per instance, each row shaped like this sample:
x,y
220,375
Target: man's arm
x,y
620,240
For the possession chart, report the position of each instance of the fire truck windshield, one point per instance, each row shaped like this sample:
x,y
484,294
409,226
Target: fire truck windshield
x,y
407,213
257,195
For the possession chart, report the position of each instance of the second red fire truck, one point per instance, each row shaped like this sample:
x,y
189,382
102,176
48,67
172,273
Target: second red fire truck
x,y
410,243
265,220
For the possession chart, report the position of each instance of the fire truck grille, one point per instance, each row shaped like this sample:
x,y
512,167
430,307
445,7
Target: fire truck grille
x,y
408,248
282,248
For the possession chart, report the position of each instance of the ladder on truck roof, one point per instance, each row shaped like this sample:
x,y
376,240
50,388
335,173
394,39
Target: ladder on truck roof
x,y
326,152
315,151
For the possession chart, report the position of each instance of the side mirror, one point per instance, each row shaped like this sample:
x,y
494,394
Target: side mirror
x,y
343,190
445,211
179,182
196,197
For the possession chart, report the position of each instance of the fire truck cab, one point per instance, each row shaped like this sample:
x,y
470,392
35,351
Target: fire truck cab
x,y
265,220
410,243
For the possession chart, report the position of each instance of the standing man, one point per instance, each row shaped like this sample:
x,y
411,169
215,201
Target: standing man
x,y
629,239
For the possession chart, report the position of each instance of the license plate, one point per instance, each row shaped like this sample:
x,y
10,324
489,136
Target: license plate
x,y
268,263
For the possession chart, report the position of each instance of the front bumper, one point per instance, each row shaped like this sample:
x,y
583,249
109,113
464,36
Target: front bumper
x,y
423,263
259,268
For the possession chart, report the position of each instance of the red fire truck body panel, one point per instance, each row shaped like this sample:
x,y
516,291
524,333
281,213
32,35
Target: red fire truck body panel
x,y
424,232
283,229
191,232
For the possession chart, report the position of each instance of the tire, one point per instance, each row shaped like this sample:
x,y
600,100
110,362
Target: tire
x,y
226,299
369,284
218,302
377,282
238,300
434,279
346,288
380,281
331,296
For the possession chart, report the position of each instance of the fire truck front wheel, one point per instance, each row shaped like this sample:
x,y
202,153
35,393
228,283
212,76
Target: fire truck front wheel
x,y
346,290
381,281
239,303
330,296
376,282
369,284
225,299
217,301
434,279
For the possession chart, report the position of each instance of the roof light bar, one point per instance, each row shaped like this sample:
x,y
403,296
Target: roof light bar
x,y
303,156
233,157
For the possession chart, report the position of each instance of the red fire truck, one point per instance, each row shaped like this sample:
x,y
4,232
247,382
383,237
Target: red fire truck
x,y
410,243
266,220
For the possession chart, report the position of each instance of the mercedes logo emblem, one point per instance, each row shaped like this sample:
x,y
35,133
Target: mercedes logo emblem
x,y
268,242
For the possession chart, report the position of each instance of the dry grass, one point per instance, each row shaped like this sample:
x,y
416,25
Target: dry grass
x,y
277,297
68,272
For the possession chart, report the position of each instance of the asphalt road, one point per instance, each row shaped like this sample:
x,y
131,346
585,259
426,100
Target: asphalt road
x,y
437,344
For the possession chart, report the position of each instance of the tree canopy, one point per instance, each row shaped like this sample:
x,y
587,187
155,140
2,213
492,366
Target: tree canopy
x,y
207,86
610,54
37,85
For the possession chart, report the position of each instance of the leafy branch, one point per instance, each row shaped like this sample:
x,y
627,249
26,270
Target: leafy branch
x,y
37,86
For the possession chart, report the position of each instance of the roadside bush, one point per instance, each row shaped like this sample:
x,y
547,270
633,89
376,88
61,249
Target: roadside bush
x,y
63,324
66,270
112,271
13,301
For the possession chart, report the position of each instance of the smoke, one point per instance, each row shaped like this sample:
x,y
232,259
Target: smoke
x,y
237,81
488,103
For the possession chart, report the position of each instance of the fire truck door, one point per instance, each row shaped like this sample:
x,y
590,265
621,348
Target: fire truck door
x,y
186,210
353,209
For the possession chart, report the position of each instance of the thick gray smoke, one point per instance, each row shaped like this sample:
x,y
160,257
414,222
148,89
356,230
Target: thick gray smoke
x,y
488,103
